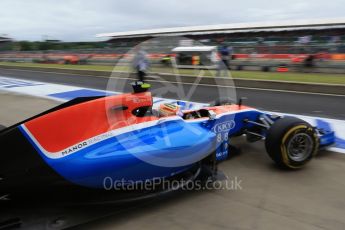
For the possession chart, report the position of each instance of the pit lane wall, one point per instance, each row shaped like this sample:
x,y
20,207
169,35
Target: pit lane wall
x,y
65,93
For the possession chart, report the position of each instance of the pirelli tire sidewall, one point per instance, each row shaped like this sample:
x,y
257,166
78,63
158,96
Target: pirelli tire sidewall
x,y
279,135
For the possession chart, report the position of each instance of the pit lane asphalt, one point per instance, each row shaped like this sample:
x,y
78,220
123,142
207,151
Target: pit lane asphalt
x,y
267,199
278,101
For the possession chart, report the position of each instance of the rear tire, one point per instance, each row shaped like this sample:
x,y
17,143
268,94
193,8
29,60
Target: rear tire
x,y
291,142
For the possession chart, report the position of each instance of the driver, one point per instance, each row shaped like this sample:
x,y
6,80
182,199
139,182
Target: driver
x,y
167,109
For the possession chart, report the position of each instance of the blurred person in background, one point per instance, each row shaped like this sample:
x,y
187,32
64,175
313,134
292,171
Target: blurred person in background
x,y
141,64
166,60
309,62
225,54
223,64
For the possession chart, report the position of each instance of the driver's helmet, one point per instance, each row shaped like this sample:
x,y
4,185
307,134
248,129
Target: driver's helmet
x,y
167,109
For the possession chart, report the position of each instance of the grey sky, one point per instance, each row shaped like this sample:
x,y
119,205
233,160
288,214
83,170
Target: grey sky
x,y
75,20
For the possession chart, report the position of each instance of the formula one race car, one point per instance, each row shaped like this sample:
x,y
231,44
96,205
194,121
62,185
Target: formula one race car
x,y
89,142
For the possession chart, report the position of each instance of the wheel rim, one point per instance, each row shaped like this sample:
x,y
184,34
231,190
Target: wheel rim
x,y
299,147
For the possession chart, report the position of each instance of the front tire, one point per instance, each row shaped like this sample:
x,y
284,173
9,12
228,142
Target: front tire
x,y
291,142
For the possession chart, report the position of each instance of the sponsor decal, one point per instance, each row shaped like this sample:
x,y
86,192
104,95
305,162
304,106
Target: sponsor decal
x,y
138,100
74,148
224,126
87,143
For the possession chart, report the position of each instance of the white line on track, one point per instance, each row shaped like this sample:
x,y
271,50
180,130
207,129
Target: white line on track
x,y
210,85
